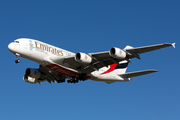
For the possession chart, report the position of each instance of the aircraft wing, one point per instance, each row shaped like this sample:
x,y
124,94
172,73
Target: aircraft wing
x,y
144,49
103,59
138,73
50,76
100,60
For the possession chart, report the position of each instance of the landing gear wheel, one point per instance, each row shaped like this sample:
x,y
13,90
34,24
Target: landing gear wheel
x,y
17,61
73,80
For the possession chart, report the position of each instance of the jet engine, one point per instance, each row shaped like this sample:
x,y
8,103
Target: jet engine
x,y
29,79
117,53
32,75
83,58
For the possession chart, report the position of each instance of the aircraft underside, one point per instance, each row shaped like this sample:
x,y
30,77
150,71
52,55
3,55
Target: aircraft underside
x,y
59,65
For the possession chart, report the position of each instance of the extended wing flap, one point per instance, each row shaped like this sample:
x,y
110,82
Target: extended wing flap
x,y
138,73
149,48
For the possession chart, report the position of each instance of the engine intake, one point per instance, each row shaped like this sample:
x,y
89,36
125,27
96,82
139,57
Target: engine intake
x,y
117,53
34,73
83,58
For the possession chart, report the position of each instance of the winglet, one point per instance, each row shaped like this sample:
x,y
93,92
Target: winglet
x,y
173,45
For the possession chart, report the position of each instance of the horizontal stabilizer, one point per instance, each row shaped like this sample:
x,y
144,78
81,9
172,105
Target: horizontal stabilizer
x,y
138,73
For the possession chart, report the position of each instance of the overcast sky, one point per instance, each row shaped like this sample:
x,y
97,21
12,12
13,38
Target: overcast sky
x,y
92,26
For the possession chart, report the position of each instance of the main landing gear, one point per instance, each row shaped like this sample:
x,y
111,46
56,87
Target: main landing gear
x,y
61,80
82,77
17,56
73,80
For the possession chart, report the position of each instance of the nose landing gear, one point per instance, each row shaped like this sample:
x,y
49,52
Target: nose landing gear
x,y
17,56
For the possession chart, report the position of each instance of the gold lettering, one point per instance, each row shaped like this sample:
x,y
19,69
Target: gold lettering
x,y
68,54
52,51
43,47
49,49
55,51
36,45
59,53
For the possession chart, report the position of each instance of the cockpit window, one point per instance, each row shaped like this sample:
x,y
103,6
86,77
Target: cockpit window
x,y
16,42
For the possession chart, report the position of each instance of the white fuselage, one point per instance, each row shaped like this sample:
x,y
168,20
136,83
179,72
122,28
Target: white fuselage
x,y
41,52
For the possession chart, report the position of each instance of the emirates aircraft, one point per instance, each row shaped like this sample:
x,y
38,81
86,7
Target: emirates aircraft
x,y
57,65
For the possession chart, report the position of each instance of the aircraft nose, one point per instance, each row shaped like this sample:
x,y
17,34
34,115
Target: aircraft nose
x,y
11,47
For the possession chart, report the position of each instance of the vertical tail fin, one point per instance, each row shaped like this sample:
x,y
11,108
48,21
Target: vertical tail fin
x,y
122,67
117,69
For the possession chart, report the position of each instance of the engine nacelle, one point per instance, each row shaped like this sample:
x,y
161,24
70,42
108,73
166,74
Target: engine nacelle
x,y
34,73
117,53
30,79
83,58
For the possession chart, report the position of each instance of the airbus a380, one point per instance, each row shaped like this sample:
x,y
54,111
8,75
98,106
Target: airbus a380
x,y
57,64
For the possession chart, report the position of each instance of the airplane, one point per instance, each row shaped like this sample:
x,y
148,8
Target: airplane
x,y
57,65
